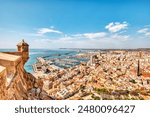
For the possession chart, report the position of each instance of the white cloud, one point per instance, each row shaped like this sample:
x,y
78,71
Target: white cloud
x,y
116,39
91,35
86,40
95,35
116,26
48,30
120,37
144,31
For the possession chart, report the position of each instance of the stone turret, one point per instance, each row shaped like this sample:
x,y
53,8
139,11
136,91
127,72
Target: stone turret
x,y
23,47
15,82
139,70
139,73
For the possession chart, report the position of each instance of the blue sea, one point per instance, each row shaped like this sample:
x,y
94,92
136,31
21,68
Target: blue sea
x,y
46,53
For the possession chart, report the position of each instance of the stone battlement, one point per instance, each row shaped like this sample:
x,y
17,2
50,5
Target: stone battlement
x,y
14,53
9,59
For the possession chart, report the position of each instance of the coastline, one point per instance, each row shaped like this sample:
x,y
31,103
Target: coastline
x,y
90,74
106,75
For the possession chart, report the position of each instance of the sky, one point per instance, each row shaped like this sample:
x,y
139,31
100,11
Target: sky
x,y
51,24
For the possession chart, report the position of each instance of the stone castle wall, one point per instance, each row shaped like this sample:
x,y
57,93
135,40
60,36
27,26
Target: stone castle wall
x,y
2,82
14,53
15,82
18,87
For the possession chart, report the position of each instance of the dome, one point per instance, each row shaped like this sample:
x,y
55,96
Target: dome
x,y
22,43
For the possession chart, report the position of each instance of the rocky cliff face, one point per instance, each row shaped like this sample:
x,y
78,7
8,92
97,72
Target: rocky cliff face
x,y
2,82
15,82
20,84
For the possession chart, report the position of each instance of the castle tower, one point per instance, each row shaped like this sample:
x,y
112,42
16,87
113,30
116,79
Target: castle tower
x,y
139,70
140,54
23,47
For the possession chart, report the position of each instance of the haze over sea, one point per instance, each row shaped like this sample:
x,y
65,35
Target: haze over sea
x,y
46,53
